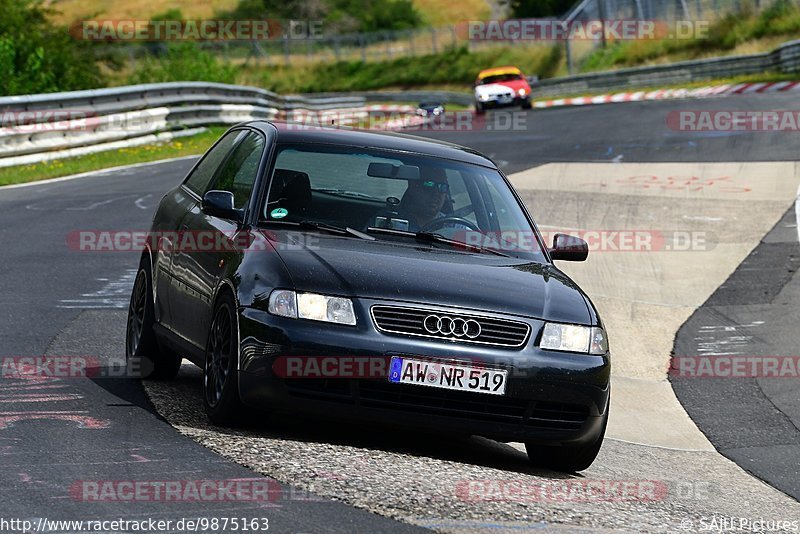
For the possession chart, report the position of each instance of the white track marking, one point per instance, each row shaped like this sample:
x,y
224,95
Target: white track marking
x,y
114,294
98,204
797,212
139,203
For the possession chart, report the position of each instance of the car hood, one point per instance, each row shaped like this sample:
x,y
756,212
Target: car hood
x,y
429,275
502,87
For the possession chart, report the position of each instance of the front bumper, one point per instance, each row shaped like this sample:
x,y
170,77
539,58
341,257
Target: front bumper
x,y
551,397
495,103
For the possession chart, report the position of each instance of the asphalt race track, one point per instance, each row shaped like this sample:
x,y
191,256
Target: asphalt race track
x,y
572,166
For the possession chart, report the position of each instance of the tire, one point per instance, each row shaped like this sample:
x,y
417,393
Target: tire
x,y
479,108
220,374
569,459
527,104
144,357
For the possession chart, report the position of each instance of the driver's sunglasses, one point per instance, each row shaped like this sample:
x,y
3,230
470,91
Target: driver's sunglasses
x,y
441,187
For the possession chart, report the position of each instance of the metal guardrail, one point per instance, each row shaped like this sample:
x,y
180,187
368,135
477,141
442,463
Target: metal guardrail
x,y
47,126
784,59
446,97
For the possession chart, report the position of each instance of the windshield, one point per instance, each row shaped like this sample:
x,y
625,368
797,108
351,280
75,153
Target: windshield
x,y
363,189
499,78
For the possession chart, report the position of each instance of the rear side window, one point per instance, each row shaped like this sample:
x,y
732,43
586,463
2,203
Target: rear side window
x,y
238,173
201,176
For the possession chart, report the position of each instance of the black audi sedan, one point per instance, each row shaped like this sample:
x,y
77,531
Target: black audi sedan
x,y
371,276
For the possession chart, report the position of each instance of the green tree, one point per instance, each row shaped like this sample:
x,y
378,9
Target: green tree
x,y
39,57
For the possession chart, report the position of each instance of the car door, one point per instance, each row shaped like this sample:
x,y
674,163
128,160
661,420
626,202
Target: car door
x,y
208,241
171,214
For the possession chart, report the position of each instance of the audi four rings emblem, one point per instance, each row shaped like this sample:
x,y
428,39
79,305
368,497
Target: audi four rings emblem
x,y
452,326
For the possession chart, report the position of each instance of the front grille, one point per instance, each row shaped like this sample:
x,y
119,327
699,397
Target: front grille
x,y
411,322
433,401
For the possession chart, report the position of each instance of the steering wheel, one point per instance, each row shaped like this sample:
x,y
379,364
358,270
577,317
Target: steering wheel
x,y
441,221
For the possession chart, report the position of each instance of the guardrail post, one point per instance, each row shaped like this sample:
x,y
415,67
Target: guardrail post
x,y
601,5
363,47
570,66
639,11
336,48
685,9
286,51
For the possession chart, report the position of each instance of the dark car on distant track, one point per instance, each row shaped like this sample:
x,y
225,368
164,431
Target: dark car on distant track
x,y
291,255
430,109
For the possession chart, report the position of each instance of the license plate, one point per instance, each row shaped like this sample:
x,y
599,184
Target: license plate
x,y
447,376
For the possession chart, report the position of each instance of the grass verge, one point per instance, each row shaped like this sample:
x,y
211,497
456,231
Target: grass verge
x,y
454,66
186,146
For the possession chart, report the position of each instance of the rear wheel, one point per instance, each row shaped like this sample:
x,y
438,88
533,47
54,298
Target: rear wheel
x,y
143,355
220,380
566,458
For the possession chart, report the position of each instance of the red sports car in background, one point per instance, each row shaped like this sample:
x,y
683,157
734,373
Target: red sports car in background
x,y
501,86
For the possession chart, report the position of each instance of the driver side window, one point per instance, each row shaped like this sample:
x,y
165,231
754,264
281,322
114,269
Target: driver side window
x,y
198,182
238,174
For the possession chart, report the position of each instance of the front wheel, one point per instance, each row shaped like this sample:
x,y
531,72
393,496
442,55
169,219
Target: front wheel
x,y
220,380
143,355
479,108
569,459
526,104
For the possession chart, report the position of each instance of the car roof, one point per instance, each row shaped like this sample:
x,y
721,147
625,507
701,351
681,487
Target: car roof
x,y
498,70
299,133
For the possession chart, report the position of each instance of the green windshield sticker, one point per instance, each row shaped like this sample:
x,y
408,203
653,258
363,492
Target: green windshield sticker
x,y
279,213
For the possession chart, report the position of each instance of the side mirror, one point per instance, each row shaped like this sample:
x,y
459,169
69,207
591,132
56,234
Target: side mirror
x,y
569,248
220,204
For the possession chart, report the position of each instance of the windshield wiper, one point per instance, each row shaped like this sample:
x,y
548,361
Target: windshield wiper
x,y
431,237
335,229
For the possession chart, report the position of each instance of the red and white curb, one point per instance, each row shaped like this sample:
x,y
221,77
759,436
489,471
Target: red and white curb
x,y
666,94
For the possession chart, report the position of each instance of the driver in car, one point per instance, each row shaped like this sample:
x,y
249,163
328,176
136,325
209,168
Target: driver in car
x,y
424,201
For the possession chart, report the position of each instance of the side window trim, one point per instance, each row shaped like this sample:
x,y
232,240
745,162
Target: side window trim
x,y
236,142
264,151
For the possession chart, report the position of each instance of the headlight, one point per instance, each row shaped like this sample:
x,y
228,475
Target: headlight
x,y
483,97
522,92
311,306
574,338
